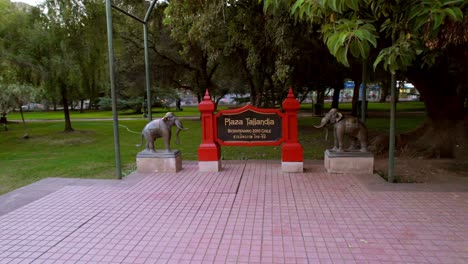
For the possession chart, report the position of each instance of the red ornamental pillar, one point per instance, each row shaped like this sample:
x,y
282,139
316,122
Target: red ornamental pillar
x,y
209,152
292,153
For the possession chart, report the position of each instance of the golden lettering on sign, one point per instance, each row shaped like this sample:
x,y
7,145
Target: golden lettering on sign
x,y
233,122
249,121
249,128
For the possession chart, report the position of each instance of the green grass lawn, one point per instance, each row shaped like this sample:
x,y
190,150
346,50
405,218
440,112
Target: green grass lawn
x,y
376,106
89,151
193,111
93,114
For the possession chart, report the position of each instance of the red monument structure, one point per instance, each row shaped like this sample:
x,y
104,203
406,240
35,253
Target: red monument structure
x,y
250,126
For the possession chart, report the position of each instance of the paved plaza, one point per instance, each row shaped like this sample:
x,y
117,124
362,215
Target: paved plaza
x,y
250,212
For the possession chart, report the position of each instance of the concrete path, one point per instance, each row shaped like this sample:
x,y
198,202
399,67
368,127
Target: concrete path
x,y
248,213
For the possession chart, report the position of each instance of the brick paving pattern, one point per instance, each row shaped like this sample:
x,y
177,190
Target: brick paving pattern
x,y
250,212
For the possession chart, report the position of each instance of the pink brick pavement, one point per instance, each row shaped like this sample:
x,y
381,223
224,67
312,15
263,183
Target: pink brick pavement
x,y
250,212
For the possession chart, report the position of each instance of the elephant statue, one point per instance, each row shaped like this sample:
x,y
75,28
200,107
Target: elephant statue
x,y
342,126
161,128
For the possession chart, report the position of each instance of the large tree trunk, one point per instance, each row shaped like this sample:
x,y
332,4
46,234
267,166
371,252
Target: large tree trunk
x,y
355,100
444,135
385,89
66,111
81,105
318,108
336,97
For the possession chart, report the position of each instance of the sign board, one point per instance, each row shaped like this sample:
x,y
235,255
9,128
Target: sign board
x,y
249,126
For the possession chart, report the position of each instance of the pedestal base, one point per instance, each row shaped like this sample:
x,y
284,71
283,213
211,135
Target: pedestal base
x,y
159,161
297,167
209,166
349,162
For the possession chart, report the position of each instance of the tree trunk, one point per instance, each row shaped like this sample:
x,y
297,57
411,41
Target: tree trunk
x,y
81,105
304,96
354,110
336,97
55,105
385,89
318,109
66,111
26,135
444,135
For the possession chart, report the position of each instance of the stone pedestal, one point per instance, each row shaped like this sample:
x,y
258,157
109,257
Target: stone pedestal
x,y
209,166
296,167
349,162
159,161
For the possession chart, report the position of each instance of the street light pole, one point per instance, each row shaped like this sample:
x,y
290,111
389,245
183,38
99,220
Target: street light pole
x,y
113,91
147,72
147,63
391,146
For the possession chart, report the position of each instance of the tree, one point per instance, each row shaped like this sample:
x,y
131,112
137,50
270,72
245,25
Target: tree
x,y
72,54
15,96
424,39
19,76
191,26
237,36
59,47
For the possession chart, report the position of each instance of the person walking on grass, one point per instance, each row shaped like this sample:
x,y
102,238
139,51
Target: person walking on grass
x,y
3,120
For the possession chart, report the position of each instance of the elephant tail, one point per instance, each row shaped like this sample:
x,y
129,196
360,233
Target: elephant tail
x,y
141,141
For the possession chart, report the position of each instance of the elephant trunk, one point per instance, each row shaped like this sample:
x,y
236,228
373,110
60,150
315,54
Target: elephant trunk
x,y
141,141
323,123
180,127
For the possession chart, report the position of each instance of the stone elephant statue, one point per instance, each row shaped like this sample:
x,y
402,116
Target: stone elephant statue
x,y
342,126
161,128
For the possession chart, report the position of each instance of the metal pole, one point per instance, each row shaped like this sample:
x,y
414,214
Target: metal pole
x,y
364,92
147,62
391,146
147,71
128,14
110,44
148,12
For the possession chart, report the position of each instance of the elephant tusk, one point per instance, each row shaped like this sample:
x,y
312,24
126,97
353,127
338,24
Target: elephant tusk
x,y
181,128
340,115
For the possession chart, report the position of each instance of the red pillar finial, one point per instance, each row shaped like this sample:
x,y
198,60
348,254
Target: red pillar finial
x,y
207,95
291,93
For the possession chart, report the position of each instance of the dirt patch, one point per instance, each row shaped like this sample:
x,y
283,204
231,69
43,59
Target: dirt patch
x,y
415,170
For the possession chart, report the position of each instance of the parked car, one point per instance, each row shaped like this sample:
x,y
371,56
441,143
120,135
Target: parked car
x,y
32,107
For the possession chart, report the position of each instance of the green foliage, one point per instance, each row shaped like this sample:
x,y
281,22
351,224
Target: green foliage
x,y
411,27
431,14
15,95
134,104
353,35
349,26
59,48
233,45
398,56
